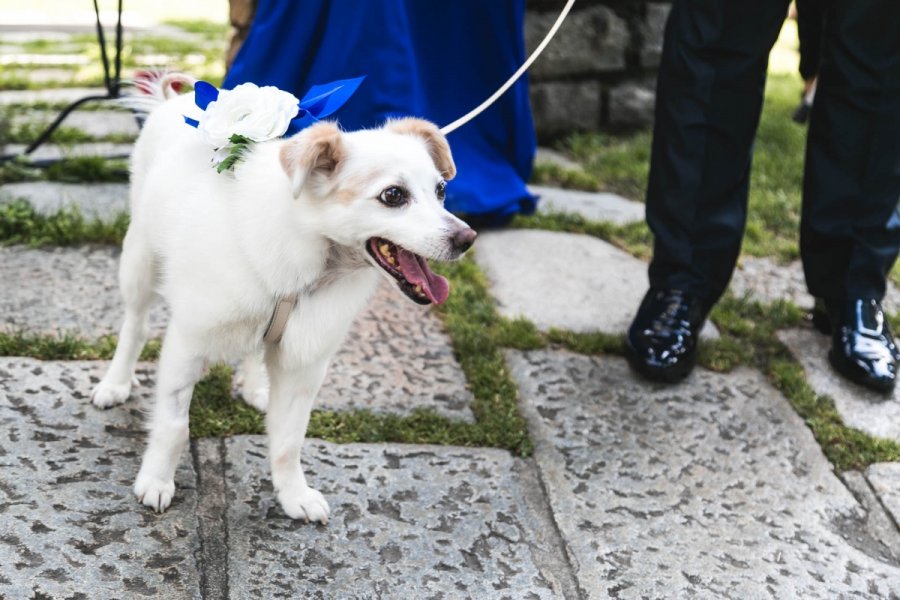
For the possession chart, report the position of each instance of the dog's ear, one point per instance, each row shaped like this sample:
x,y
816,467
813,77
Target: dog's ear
x,y
317,150
437,144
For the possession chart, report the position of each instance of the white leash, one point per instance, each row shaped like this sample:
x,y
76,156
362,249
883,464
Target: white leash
x,y
515,76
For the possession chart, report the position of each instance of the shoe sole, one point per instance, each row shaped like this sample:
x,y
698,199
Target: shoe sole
x,y
661,375
854,376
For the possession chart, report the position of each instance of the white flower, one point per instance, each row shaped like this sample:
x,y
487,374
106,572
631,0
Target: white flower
x,y
257,113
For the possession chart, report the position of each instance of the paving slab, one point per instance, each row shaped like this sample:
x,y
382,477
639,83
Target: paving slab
x,y
594,206
885,480
22,59
71,290
564,280
18,35
869,411
406,522
766,280
69,524
396,357
47,76
879,525
61,151
103,201
713,488
549,156
59,95
98,123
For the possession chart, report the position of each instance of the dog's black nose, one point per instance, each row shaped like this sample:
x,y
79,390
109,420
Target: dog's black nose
x,y
464,238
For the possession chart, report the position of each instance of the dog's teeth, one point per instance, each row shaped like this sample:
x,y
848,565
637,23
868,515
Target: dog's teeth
x,y
419,289
391,260
385,250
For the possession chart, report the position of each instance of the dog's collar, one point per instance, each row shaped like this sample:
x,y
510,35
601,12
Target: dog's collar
x,y
278,323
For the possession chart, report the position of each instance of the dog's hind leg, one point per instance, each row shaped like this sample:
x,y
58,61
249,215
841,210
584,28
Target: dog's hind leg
x,y
180,367
137,276
291,398
253,382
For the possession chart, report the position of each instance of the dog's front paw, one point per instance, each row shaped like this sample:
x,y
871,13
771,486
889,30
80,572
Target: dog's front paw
x,y
308,505
154,492
106,394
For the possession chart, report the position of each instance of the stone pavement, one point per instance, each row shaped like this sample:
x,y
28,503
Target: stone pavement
x,y
713,488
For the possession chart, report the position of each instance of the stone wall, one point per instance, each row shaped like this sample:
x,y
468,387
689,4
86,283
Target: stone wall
x,y
598,73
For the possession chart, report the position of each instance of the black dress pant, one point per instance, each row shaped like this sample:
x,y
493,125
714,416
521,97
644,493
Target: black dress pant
x,y
709,97
810,31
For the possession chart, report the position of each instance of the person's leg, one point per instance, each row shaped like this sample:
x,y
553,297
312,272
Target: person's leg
x,y
810,32
709,96
850,230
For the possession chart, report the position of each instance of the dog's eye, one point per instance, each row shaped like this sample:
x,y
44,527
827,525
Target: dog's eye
x,y
441,190
393,196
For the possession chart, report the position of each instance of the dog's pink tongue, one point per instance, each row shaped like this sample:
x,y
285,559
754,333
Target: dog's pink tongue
x,y
416,271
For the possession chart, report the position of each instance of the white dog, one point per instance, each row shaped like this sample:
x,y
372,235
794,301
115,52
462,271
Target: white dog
x,y
319,216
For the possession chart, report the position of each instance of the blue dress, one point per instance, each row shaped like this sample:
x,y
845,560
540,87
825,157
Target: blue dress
x,y
431,59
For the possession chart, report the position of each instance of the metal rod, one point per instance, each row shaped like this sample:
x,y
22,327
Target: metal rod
x,y
114,92
112,84
102,41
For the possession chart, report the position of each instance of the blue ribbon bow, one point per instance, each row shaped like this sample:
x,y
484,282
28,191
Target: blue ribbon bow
x,y
319,102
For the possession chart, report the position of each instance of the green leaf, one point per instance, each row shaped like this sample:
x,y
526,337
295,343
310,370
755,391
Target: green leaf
x,y
238,145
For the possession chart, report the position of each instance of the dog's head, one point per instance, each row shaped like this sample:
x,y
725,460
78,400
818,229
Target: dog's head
x,y
381,191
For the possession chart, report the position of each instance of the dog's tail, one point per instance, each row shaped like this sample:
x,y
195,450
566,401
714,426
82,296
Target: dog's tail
x,y
153,87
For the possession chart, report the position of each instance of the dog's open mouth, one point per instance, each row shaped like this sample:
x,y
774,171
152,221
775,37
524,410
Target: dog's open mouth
x,y
411,271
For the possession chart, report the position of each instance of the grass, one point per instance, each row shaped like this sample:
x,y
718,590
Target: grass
x,y
21,224
44,46
88,169
25,133
611,162
66,346
749,337
202,55
558,176
79,169
620,164
634,238
56,106
19,131
472,323
212,30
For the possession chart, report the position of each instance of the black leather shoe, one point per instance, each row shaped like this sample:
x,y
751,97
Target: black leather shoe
x,y
662,341
862,347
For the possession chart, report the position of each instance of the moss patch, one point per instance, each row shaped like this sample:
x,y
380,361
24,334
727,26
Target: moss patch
x,y
21,224
66,346
81,169
558,176
749,338
473,324
621,164
634,238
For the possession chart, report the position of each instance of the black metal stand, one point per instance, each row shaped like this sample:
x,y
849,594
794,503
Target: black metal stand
x,y
112,82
